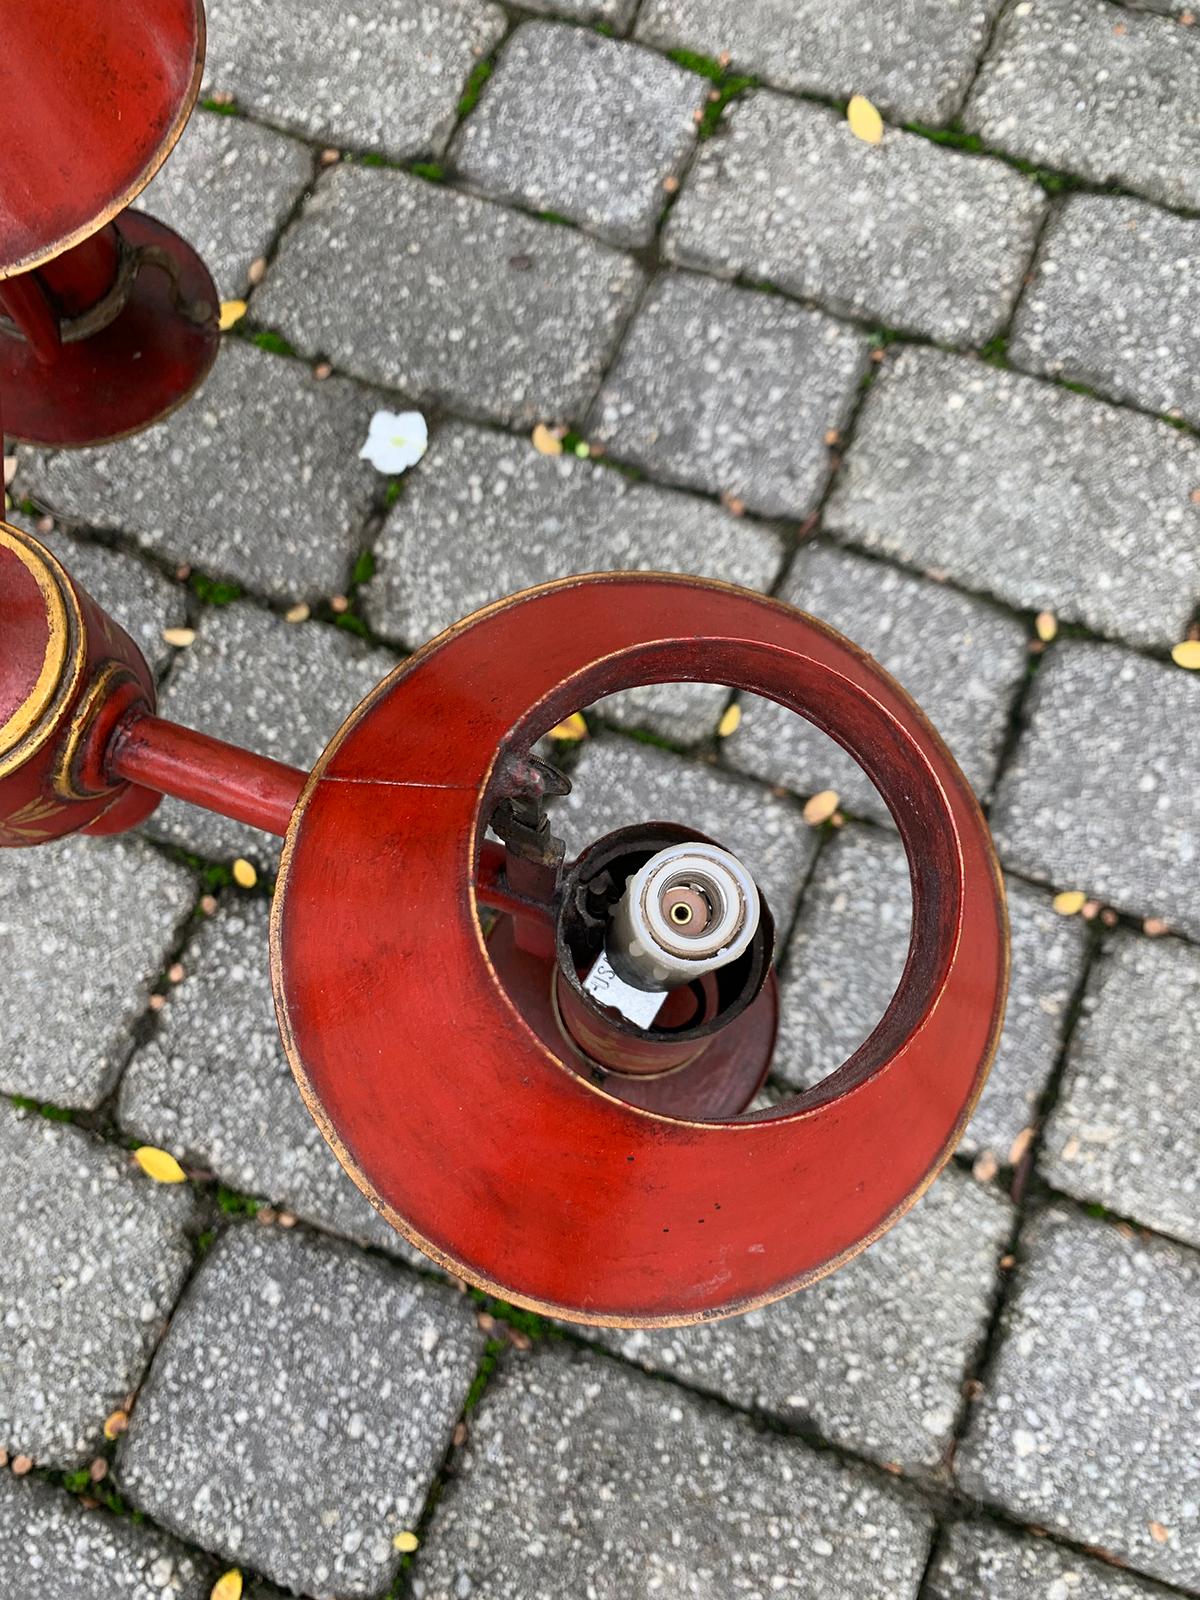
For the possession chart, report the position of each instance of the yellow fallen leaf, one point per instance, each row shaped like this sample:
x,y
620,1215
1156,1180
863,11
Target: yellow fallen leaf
x,y
572,730
1070,902
1046,624
730,722
159,1164
407,1542
116,1424
300,612
231,311
545,441
821,807
228,1586
1187,654
179,637
865,122
244,874
1019,1146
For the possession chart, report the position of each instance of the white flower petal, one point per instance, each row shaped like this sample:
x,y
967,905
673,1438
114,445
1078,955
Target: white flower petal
x,y
395,440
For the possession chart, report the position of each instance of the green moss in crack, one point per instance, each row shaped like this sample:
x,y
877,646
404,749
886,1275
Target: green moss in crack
x,y
955,136
364,568
43,1108
273,342
234,1204
480,73
429,170
214,591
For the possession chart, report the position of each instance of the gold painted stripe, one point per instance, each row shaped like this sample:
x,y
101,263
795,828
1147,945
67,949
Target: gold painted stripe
x,y
61,612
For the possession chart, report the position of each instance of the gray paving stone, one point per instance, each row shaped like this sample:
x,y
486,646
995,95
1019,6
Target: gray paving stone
x,y
1047,963
214,1085
485,515
581,1478
257,478
848,953
587,127
1089,88
619,782
1126,1129
133,593
1110,304
1045,498
95,1255
1097,796
615,12
906,232
476,308
872,1357
228,187
385,78
913,60
86,926
961,660
983,1559
1088,1419
280,689
299,1409
51,1546
731,391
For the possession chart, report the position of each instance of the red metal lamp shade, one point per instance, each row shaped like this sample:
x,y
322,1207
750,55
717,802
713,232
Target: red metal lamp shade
x,y
108,319
517,1142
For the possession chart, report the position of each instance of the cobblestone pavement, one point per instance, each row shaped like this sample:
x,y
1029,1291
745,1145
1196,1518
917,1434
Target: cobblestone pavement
x,y
943,392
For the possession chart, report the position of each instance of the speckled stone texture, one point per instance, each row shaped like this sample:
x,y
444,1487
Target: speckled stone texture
x,y
1111,306
913,60
299,1409
86,927
1044,498
1126,1128
961,659
1088,1422
256,479
485,515
980,1558
278,688
847,955
387,77
213,1084
731,391
586,127
51,1546
907,232
1091,88
619,782
135,594
228,187
872,1357
1098,795
452,299
615,13
94,1258
581,1478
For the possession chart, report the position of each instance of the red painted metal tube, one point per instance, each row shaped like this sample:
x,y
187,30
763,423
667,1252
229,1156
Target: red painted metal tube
x,y
161,755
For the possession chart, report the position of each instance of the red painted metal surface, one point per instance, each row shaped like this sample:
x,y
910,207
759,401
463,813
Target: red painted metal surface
x,y
66,671
205,771
132,371
93,94
435,1062
462,1125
